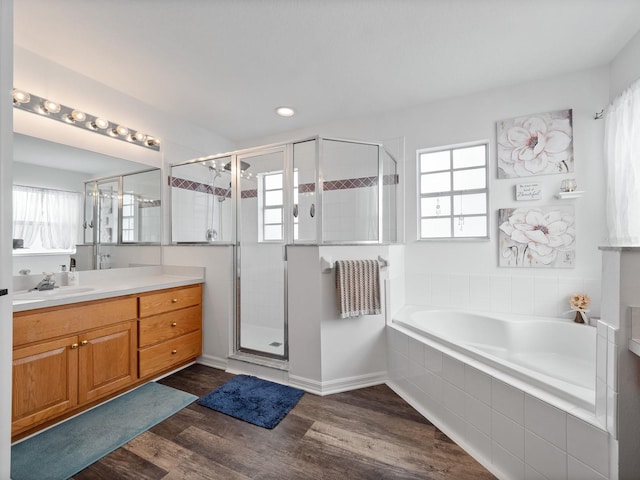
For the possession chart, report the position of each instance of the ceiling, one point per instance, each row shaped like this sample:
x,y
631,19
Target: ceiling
x,y
226,65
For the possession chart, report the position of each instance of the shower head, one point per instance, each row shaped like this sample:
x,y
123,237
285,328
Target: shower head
x,y
244,166
217,174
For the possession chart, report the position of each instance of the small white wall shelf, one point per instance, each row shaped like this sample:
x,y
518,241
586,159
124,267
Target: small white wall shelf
x,y
569,195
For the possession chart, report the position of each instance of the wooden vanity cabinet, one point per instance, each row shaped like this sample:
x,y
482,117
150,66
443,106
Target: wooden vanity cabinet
x,y
45,381
68,358
107,360
170,328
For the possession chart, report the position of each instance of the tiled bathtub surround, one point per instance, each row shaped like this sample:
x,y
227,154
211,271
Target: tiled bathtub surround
x,y
546,295
512,432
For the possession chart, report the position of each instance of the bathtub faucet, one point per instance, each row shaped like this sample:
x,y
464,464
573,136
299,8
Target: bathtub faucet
x,y
47,283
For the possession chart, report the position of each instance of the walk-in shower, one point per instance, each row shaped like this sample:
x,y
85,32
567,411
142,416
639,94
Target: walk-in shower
x,y
260,200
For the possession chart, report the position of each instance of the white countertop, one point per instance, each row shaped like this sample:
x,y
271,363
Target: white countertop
x,y
111,283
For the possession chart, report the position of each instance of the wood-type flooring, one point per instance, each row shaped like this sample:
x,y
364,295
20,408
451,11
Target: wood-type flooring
x,y
364,434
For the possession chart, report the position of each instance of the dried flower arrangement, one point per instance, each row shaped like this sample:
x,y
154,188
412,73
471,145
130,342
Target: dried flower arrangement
x,y
579,303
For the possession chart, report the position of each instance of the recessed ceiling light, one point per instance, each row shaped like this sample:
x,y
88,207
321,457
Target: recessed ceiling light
x,y
285,111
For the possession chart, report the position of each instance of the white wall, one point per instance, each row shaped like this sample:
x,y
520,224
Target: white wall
x,y
179,139
6,214
451,265
621,290
625,68
217,309
328,354
46,177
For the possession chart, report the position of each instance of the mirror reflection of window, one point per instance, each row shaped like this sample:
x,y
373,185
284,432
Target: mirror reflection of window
x,y
45,219
129,210
141,207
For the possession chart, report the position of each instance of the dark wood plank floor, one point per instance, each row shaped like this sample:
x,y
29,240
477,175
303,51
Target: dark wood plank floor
x,y
365,434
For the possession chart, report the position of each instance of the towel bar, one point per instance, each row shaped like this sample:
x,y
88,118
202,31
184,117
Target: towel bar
x,y
327,263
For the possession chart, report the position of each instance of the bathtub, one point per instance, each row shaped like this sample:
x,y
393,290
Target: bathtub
x,y
549,355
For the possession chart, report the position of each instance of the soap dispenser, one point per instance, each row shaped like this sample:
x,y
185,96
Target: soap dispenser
x,y
72,276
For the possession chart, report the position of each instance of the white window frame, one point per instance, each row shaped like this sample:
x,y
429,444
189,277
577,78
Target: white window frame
x,y
264,208
451,193
134,208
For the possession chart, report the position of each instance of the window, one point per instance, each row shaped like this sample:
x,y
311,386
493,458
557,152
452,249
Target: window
x,y
129,217
454,195
273,206
46,219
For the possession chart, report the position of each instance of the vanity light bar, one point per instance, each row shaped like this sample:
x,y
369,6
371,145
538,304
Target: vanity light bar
x,y
56,111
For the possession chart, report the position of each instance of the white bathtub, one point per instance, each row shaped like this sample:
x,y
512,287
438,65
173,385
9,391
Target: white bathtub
x,y
555,356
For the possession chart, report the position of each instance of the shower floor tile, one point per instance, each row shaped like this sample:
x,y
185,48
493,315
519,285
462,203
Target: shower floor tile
x,y
263,339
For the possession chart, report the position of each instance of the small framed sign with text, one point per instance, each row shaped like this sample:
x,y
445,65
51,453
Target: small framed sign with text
x,y
528,191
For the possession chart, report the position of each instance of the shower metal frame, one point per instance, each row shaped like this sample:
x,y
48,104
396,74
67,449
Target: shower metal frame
x,y
288,164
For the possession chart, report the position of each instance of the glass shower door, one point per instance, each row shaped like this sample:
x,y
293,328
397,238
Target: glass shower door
x,y
263,231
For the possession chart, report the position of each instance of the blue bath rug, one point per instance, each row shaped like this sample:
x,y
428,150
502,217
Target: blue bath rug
x,y
67,448
253,400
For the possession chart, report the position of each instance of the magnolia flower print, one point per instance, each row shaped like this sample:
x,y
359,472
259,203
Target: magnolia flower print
x,y
535,145
535,237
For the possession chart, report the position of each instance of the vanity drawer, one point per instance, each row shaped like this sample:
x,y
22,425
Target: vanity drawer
x,y
169,300
47,323
172,352
169,325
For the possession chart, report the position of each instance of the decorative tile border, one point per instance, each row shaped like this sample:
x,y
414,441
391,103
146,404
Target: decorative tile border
x,y
198,187
328,185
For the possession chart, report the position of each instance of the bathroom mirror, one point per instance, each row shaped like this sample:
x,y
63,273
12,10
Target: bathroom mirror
x,y
42,164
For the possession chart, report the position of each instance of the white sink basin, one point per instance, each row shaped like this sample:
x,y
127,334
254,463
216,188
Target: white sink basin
x,y
55,293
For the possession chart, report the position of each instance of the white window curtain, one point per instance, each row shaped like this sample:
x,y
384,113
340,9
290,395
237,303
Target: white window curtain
x,y
46,219
622,165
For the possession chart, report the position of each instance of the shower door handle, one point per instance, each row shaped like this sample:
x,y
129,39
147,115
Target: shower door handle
x,y
295,211
312,210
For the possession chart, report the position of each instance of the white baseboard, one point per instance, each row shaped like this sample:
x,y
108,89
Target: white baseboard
x,y
338,385
211,361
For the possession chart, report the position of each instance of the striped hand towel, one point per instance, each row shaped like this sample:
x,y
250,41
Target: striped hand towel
x,y
358,288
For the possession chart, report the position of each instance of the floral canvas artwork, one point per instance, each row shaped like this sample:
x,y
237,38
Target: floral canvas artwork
x,y
537,237
539,144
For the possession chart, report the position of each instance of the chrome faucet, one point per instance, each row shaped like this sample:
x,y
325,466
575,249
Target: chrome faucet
x,y
47,283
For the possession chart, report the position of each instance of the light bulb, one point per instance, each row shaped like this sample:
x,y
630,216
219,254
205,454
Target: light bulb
x,y
122,131
139,136
20,97
76,116
51,106
102,123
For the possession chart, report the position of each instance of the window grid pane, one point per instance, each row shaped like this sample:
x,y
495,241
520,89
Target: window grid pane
x,y
453,193
273,207
435,161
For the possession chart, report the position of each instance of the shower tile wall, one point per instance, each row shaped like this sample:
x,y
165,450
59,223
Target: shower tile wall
x,y
150,222
536,295
191,224
350,214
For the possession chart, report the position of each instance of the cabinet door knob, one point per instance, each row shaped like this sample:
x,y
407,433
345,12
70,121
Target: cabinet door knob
x,y
174,324
175,300
74,346
84,342
173,352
